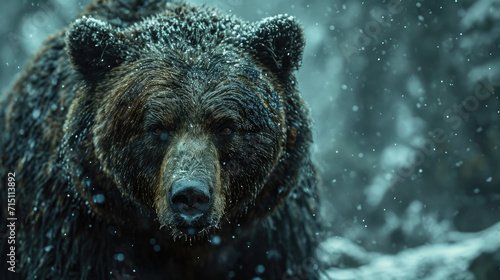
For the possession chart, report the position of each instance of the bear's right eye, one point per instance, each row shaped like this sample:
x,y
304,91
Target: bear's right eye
x,y
160,132
226,131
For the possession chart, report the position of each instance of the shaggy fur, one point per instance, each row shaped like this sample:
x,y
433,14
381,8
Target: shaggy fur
x,y
136,95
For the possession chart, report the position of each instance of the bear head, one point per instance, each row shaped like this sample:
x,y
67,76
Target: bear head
x,y
189,118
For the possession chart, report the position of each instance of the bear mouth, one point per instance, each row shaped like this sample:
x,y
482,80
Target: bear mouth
x,y
191,226
189,230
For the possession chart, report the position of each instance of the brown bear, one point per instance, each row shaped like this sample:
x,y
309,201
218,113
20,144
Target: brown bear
x,y
151,140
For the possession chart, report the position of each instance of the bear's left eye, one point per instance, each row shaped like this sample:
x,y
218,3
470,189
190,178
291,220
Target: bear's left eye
x,y
160,132
157,131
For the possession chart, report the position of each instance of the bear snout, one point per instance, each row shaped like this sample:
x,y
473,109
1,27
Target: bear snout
x,y
190,200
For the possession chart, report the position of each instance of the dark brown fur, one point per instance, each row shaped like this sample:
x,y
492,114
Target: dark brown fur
x,y
95,179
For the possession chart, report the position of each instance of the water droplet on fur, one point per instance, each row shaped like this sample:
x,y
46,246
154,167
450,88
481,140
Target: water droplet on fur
x,y
120,257
260,269
163,136
36,113
87,182
99,198
156,248
215,239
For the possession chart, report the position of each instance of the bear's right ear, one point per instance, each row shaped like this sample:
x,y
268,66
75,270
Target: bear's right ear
x,y
94,46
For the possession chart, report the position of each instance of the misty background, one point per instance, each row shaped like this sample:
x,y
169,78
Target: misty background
x,y
406,130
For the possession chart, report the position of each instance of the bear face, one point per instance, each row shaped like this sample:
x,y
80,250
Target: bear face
x,y
191,125
192,122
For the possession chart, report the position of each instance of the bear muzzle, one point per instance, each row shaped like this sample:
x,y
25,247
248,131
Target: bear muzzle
x,y
190,201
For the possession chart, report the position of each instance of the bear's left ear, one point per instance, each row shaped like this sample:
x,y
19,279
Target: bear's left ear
x,y
94,46
278,43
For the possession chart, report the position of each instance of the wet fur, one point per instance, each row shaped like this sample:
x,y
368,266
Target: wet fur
x,y
93,138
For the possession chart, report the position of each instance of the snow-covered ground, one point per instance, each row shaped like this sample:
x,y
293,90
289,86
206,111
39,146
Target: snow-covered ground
x,y
447,260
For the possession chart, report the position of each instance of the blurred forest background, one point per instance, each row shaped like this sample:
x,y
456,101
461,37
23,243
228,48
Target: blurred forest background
x,y
407,126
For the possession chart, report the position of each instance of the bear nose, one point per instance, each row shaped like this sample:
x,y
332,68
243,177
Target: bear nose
x,y
190,198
